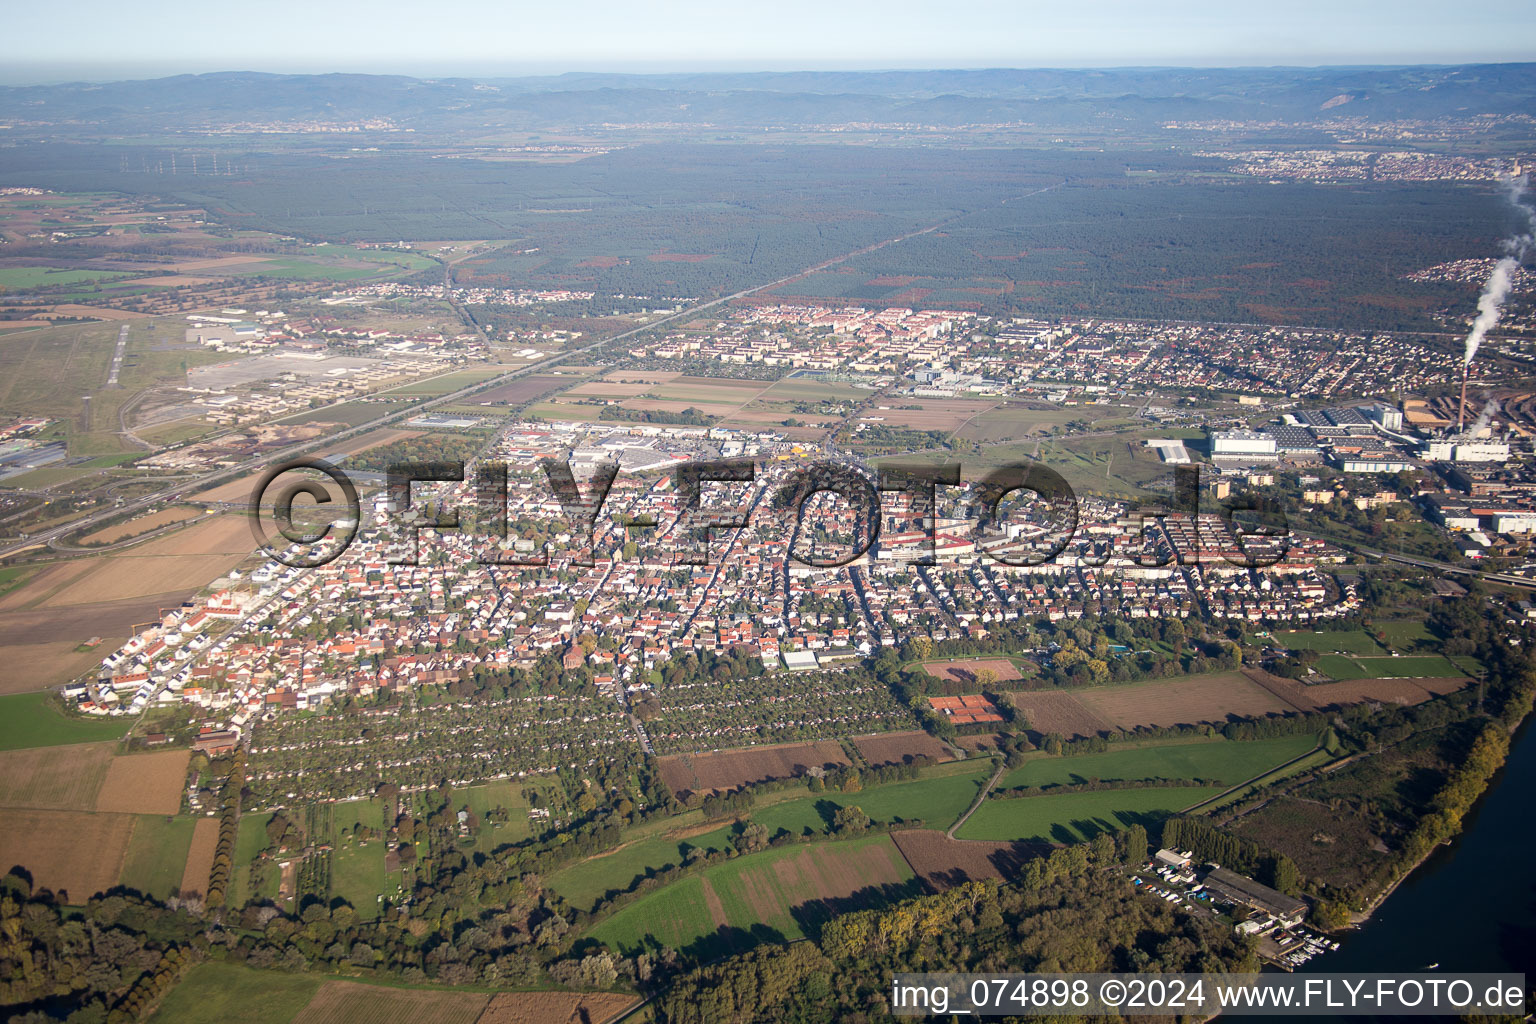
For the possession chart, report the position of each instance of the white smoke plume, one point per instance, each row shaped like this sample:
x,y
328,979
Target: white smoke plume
x,y
1491,302
1484,418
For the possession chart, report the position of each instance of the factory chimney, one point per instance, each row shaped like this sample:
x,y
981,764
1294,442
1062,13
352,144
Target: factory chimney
x,y
1461,411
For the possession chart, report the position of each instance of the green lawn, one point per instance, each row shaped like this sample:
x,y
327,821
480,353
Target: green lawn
x,y
582,883
1405,634
225,993
937,799
1413,666
1224,761
1351,641
481,799
358,876
1070,817
762,897
157,853
31,720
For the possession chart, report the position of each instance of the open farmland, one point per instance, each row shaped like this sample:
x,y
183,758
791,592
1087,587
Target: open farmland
x,y
556,1007
584,882
219,992
1223,761
936,799
1072,817
943,863
200,853
75,851
145,783
974,671
157,853
898,747
523,389
729,769
1214,697
1050,711
64,778
32,720
770,896
141,524
349,1002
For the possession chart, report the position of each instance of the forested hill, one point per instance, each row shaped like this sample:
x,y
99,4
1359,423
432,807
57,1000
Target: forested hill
x,y
936,98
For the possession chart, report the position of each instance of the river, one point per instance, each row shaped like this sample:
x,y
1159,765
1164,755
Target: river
x,y
1472,905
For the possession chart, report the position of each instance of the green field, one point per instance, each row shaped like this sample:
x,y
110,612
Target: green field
x,y
443,384
583,883
157,853
1349,641
30,720
14,279
1224,761
225,993
937,799
1405,634
1071,817
358,876
758,896
1414,666
481,799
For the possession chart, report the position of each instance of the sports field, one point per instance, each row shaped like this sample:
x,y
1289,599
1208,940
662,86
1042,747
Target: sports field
x,y
1352,641
1411,667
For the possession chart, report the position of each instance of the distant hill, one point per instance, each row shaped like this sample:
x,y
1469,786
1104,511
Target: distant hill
x,y
938,98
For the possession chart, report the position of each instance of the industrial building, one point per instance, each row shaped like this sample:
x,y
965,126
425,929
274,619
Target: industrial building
x,y
1251,445
1244,891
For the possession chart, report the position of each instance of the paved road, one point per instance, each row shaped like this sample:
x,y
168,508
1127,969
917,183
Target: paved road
x,y
1002,766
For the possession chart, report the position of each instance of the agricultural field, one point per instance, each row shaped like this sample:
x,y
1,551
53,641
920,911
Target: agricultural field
x,y
64,778
1212,697
79,852
349,1002
729,769
521,390
218,992
1223,761
32,720
1047,711
774,896
158,853
943,863
556,1007
145,783
898,747
198,862
22,279
1072,817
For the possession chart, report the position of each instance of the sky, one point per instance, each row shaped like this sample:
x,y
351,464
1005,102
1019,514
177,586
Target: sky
x,y
105,40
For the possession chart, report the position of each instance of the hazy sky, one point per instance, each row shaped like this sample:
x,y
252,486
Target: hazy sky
x,y
111,39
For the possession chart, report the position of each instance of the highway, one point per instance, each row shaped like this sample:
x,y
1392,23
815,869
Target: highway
x,y
260,463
